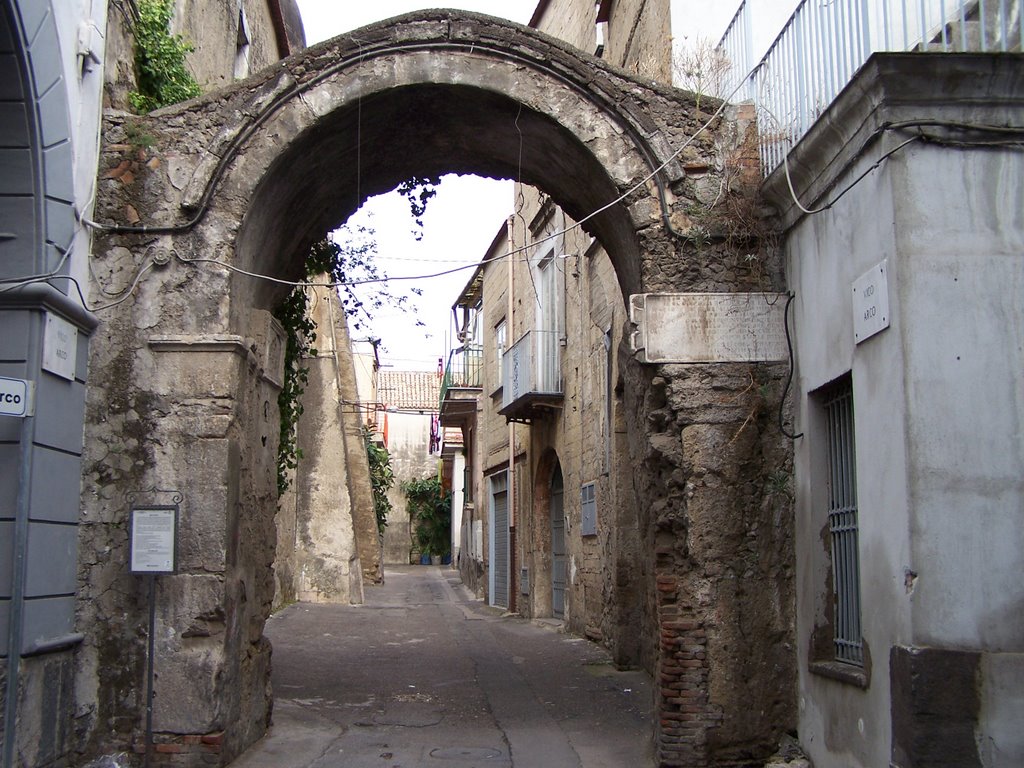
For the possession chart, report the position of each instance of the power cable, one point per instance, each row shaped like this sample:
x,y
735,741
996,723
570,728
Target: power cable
x,y
792,366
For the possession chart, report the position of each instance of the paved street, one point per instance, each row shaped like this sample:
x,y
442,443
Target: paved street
x,y
425,675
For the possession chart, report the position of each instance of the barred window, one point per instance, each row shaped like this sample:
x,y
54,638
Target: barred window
x,y
842,520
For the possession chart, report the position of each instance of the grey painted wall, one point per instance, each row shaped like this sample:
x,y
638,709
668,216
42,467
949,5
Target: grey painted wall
x,y
40,455
938,404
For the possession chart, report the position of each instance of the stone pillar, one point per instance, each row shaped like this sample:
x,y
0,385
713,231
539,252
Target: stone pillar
x,y
718,532
327,559
195,413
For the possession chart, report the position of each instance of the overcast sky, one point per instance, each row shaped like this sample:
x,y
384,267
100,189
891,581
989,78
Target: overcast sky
x,y
460,222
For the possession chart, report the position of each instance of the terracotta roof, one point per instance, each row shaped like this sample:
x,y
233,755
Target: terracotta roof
x,y
410,390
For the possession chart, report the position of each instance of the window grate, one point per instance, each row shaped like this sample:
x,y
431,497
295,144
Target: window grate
x,y
842,519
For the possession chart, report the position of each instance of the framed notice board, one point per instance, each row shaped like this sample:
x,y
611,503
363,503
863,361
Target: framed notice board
x,y
154,539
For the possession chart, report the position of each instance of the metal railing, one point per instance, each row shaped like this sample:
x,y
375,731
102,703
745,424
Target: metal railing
x,y
825,42
465,369
532,366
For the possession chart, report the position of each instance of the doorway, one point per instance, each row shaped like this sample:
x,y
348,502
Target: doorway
x,y
558,570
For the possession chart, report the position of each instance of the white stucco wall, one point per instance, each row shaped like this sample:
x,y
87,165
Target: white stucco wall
x,y
83,84
458,499
409,448
963,233
939,409
826,254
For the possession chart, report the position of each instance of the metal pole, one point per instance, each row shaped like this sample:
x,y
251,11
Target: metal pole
x,y
16,617
20,557
149,669
509,330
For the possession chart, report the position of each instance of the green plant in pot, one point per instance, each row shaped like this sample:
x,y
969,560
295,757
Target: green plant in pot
x,y
430,509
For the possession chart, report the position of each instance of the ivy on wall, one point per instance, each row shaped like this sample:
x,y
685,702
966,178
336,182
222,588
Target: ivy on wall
x,y
430,511
300,334
363,290
160,66
382,478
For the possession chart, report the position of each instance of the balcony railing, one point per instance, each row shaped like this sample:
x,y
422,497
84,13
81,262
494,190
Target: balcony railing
x,y
531,374
825,42
464,370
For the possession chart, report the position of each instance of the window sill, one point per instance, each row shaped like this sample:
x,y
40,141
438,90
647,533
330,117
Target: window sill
x,y
837,670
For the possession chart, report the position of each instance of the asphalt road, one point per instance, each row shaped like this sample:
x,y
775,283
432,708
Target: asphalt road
x,y
425,675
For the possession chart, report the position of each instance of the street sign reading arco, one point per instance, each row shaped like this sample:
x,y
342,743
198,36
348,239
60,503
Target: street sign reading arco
x,y
15,397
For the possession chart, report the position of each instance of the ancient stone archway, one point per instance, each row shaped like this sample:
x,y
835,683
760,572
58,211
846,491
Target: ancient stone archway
x,y
183,375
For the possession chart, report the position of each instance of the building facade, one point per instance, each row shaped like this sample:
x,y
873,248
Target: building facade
x,y
408,419
62,63
52,73
900,220
881,651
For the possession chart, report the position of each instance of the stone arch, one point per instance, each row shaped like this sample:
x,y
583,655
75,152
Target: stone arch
x,y
188,368
498,106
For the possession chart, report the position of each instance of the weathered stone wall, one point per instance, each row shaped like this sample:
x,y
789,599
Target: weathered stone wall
x,y
179,368
715,515
210,27
639,38
574,21
329,505
409,449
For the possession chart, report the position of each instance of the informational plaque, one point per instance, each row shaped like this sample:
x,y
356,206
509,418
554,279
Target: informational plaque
x,y
60,347
154,539
871,302
709,327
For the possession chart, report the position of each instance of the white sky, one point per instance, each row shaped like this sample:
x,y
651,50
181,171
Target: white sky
x,y
460,222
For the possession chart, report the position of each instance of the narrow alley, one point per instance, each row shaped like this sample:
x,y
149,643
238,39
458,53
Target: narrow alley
x,y
423,674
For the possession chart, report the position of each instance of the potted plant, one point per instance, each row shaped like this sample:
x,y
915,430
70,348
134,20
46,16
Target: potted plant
x,y
430,510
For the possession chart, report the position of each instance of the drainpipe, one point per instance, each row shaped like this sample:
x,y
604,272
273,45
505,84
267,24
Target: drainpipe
x,y
511,432
20,557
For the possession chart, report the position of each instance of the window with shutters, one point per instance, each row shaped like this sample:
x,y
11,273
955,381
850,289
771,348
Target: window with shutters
x,y
588,510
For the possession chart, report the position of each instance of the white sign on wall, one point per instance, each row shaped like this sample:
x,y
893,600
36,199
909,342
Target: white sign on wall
x,y
15,397
871,302
60,347
154,539
708,327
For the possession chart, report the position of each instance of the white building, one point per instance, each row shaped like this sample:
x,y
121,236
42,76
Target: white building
x,y
903,232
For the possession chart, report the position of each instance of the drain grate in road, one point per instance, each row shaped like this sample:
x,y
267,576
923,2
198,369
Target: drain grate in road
x,y
466,753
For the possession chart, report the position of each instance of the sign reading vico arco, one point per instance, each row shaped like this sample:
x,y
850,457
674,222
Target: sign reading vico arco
x,y
15,397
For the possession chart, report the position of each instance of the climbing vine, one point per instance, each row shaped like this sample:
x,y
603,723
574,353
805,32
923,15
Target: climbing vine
x,y
160,69
418,191
430,511
300,334
347,262
382,478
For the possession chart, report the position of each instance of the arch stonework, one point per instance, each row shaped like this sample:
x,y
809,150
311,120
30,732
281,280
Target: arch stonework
x,y
183,395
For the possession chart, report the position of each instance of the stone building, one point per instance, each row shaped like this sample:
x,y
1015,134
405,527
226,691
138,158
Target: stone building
x,y
554,314
554,523
408,420
877,647
688,563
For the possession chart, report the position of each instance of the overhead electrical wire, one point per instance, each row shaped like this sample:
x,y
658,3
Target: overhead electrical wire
x,y
296,89
280,99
